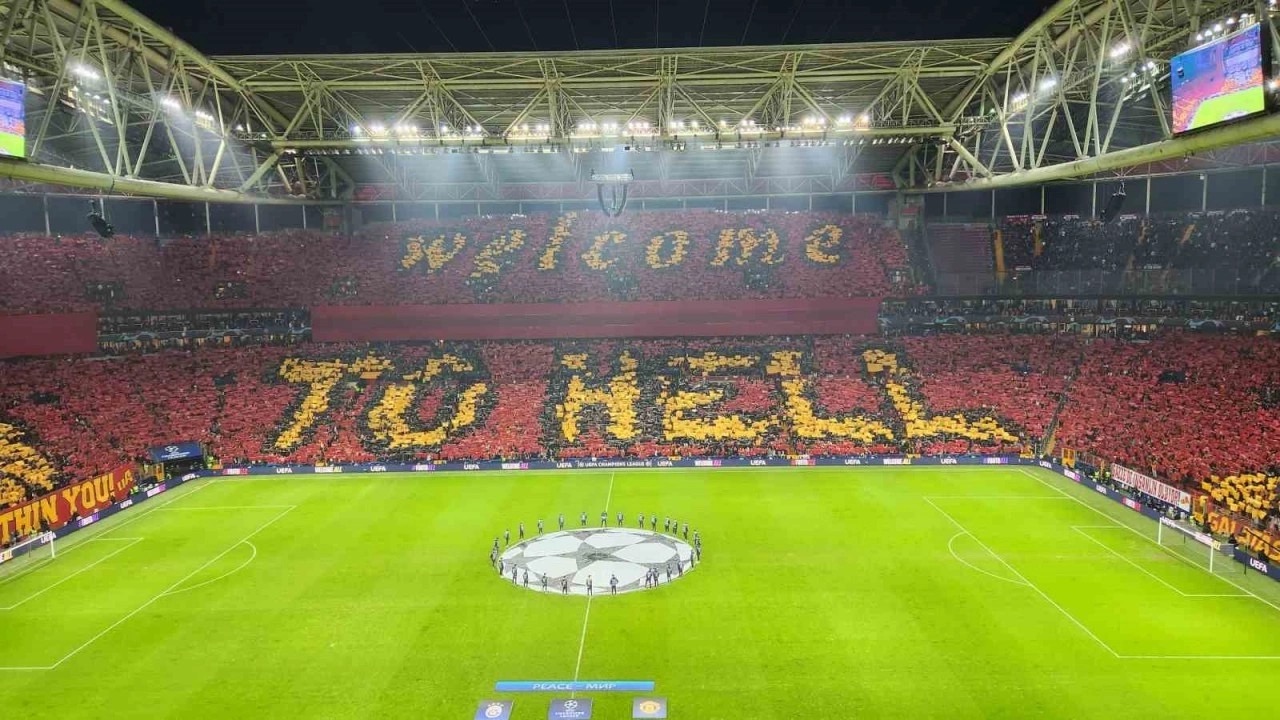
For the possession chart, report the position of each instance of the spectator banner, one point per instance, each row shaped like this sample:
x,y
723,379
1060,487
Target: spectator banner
x,y
1150,486
54,510
176,451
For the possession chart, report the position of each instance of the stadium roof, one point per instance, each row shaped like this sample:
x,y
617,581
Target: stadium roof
x,y
134,109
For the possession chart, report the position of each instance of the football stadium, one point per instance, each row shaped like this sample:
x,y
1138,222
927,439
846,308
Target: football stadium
x,y
616,367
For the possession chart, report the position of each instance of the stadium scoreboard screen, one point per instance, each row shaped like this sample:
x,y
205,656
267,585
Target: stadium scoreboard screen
x,y
13,119
1219,81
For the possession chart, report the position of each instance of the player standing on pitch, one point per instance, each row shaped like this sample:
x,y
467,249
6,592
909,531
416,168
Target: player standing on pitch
x,y
653,520
564,585
562,522
613,585
506,536
539,526
604,518
621,519
583,518
641,525
588,586
522,531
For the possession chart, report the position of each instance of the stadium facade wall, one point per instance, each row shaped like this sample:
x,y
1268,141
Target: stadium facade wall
x,y
62,334
545,321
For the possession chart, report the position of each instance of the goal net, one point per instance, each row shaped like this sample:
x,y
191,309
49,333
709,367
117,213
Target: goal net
x,y
26,555
1189,541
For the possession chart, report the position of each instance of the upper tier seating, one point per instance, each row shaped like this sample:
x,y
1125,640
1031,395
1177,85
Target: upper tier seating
x,y
1241,246
692,254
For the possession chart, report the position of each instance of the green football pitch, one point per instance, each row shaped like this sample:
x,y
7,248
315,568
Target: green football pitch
x,y
957,592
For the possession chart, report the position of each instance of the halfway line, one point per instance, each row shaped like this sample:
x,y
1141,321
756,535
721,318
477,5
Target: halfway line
x,y
586,617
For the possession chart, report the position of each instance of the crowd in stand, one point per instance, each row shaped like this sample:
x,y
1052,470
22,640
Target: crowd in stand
x,y
1216,250
514,259
1181,407
1188,408
519,400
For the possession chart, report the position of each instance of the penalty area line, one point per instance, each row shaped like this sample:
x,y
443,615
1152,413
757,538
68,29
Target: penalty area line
x,y
1140,534
1024,579
169,589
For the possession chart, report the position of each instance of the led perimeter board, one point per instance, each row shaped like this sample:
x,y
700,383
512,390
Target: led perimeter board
x,y
1220,81
13,119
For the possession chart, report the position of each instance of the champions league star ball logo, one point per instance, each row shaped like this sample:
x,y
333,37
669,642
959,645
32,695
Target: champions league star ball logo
x,y
495,710
636,559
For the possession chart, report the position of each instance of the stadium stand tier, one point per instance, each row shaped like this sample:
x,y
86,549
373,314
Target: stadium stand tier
x,y
1239,248
685,255
1199,410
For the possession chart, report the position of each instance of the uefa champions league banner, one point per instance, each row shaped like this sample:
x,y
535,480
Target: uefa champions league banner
x,y
175,451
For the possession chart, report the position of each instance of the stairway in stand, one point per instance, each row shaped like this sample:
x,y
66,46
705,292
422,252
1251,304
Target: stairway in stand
x,y
962,257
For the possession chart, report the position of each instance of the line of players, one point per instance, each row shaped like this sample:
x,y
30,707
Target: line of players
x,y
652,578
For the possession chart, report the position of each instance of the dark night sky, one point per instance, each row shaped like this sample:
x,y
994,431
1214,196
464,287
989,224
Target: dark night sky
x,y
328,26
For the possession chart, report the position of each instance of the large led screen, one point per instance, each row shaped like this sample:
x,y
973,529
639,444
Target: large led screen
x,y
1219,81
13,119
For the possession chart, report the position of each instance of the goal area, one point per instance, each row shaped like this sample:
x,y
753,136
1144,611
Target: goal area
x,y
26,555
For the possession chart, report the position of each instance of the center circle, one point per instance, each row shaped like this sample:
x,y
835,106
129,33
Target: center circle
x,y
569,557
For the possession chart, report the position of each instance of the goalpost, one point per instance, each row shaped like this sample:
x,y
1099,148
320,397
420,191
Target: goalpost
x,y
1170,532
29,553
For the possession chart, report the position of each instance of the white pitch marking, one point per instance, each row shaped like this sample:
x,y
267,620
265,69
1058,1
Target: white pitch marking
x,y
996,497
90,566
36,566
586,616
229,573
233,507
1131,529
1145,571
1200,657
1022,577
962,561
169,589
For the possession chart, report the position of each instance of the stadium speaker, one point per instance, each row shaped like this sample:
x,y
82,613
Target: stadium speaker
x,y
99,224
1114,205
